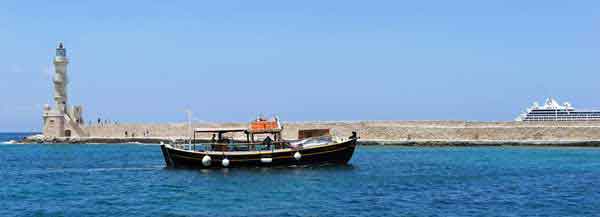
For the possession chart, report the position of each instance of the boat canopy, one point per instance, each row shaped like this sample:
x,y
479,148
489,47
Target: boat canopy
x,y
219,130
258,126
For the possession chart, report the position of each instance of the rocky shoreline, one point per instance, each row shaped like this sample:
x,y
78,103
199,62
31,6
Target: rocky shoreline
x,y
481,143
38,139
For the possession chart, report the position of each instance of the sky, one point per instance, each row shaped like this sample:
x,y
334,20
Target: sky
x,y
150,61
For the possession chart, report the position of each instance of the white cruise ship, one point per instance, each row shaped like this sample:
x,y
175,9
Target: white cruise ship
x,y
553,111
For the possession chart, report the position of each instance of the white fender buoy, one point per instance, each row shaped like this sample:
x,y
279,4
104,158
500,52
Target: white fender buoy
x,y
266,160
206,160
297,155
225,162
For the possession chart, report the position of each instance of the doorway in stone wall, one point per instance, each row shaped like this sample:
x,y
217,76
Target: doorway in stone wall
x,y
67,133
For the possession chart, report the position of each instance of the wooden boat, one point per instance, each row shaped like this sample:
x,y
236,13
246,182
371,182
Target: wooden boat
x,y
223,153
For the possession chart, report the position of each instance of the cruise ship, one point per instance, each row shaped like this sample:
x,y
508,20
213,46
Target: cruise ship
x,y
554,111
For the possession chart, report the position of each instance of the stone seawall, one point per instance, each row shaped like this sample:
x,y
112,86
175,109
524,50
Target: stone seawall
x,y
387,130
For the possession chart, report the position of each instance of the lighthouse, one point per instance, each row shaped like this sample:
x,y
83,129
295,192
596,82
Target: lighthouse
x,y
62,121
60,78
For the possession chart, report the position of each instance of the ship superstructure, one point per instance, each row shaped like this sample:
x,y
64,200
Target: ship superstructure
x,y
554,111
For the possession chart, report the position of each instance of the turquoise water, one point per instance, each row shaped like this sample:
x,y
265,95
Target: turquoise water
x,y
129,180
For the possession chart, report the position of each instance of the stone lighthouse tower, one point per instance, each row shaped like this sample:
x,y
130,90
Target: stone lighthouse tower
x,y
62,121
60,79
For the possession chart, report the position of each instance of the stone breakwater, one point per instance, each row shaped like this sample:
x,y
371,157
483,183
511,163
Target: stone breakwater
x,y
421,133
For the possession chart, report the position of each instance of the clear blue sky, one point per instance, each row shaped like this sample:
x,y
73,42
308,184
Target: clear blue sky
x,y
135,61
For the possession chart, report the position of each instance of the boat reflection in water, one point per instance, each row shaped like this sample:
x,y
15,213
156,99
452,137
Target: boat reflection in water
x,y
314,147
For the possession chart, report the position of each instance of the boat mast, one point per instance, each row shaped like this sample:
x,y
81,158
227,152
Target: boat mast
x,y
189,117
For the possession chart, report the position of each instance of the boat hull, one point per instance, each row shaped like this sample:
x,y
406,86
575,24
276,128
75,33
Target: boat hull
x,y
338,153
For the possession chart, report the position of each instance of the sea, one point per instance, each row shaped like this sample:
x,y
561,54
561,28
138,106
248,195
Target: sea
x,y
131,180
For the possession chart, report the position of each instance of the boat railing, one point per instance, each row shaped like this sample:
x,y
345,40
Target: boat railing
x,y
219,146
